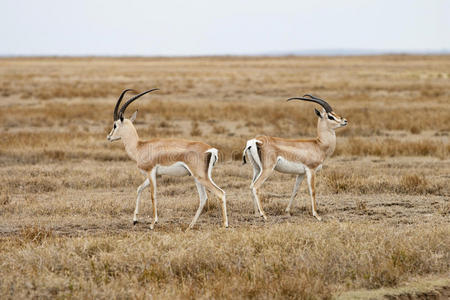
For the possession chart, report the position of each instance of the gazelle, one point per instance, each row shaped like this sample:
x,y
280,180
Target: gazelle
x,y
175,157
299,157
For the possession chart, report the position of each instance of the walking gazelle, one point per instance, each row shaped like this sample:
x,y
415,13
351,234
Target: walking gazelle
x,y
158,156
299,157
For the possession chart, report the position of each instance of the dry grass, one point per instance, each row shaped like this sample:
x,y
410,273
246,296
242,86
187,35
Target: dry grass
x,y
394,147
34,234
339,182
283,261
67,195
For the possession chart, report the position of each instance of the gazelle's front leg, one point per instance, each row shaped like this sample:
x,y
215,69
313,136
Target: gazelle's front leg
x,y
311,178
298,182
152,178
138,199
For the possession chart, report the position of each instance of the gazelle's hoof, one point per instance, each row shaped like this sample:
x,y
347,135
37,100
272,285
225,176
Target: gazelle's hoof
x,y
152,226
264,217
134,222
318,218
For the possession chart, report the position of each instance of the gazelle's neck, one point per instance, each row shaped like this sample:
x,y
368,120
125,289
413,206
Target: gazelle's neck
x,y
130,140
326,138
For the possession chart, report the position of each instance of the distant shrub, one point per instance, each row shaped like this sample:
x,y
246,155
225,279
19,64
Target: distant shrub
x,y
195,129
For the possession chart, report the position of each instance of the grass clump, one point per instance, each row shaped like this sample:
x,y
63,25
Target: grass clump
x,y
35,234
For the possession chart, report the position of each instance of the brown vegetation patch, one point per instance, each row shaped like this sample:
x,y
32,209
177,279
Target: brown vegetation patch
x,y
34,234
394,147
342,182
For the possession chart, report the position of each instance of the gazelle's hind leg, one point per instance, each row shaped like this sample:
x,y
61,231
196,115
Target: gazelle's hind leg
x,y
255,186
311,178
210,185
203,198
298,182
138,199
256,174
153,196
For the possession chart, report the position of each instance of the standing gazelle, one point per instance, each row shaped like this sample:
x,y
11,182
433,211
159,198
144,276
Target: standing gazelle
x,y
267,154
175,157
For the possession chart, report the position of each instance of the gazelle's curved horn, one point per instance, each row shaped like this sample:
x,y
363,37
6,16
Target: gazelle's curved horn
x,y
311,98
116,108
124,107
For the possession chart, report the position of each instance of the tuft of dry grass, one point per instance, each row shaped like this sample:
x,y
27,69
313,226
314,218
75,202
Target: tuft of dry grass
x,y
414,130
414,183
444,209
195,129
5,198
361,205
35,234
219,129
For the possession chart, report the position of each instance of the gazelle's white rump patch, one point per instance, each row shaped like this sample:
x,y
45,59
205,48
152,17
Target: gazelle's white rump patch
x,y
251,151
214,157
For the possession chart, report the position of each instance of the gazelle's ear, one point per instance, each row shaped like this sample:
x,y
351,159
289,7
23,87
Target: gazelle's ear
x,y
133,116
317,113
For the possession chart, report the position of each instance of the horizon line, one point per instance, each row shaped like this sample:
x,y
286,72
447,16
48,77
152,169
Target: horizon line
x,y
300,53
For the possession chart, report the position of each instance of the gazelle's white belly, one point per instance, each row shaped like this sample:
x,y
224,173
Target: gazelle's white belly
x,y
177,169
286,166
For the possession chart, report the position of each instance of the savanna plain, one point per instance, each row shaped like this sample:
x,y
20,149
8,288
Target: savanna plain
x,y
68,195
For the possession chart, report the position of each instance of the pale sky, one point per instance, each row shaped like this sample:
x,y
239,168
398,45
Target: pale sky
x,y
200,27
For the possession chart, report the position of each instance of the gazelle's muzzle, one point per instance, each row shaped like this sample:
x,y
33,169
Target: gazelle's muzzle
x,y
111,139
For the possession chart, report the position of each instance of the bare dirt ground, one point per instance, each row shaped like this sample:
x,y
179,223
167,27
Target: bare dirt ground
x,y
68,195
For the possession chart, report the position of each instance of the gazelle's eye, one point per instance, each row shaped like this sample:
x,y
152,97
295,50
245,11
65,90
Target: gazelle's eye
x,y
331,117
114,125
